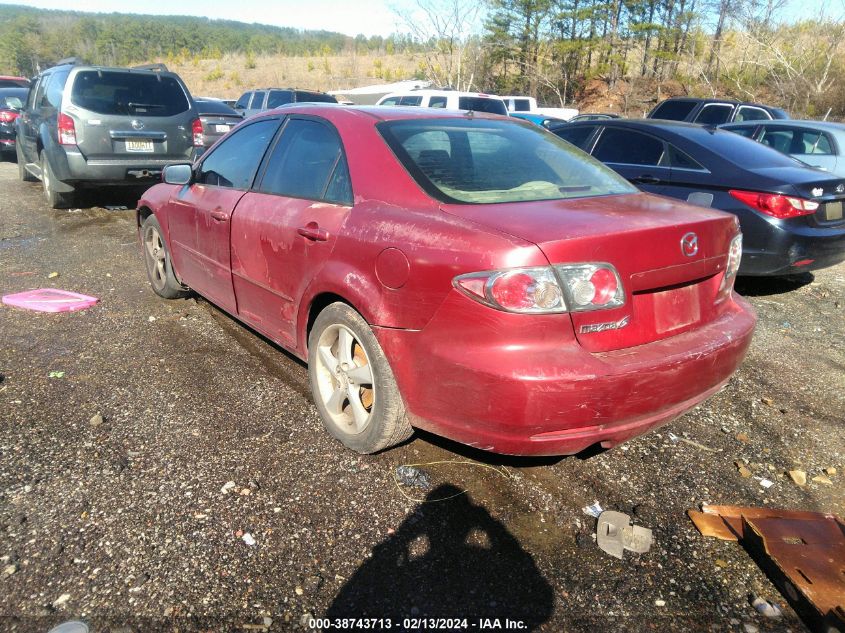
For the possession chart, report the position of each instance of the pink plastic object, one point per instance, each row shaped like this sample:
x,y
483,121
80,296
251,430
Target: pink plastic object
x,y
50,300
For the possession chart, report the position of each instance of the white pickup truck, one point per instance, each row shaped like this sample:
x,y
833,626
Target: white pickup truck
x,y
529,104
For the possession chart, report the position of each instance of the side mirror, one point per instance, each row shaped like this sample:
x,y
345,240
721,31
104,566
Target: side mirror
x,y
178,174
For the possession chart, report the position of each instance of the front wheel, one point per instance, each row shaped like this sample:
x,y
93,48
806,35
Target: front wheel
x,y
158,264
352,383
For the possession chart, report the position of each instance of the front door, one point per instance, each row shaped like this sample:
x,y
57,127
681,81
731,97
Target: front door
x,y
200,214
285,229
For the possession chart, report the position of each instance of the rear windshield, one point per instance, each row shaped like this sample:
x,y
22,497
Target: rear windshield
x,y
210,106
314,97
487,161
743,151
482,104
13,98
115,92
672,110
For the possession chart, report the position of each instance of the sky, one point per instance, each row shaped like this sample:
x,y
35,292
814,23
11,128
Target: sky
x,y
370,17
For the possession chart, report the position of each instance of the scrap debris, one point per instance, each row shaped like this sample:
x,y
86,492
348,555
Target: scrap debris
x,y
50,300
615,533
803,553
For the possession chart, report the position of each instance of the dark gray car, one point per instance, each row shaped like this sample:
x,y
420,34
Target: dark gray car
x,y
217,119
87,126
255,101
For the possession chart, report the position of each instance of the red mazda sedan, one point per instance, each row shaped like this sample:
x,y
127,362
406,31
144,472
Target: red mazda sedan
x,y
466,274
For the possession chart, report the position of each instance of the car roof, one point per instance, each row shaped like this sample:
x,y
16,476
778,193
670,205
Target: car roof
x,y
439,93
825,125
691,131
336,112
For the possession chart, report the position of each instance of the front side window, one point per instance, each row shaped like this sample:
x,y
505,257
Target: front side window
x,y
627,147
243,102
128,93
390,101
750,113
307,162
234,161
714,114
410,100
481,161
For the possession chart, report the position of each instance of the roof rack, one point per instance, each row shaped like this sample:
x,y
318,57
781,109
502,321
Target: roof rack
x,y
68,60
157,67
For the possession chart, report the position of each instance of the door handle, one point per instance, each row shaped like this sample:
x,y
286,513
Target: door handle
x,y
220,215
646,179
313,232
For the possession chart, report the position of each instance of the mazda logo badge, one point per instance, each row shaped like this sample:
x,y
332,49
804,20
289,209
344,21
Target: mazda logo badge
x,y
137,125
689,244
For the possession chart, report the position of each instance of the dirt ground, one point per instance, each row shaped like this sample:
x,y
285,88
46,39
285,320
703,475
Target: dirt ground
x,y
123,523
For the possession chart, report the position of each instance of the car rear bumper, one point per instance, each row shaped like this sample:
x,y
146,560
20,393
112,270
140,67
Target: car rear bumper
x,y
788,253
71,166
493,381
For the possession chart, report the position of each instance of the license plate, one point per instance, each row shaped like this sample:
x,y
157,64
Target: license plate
x,y
139,146
833,211
222,128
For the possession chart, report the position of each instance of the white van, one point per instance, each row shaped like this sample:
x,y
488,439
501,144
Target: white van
x,y
446,99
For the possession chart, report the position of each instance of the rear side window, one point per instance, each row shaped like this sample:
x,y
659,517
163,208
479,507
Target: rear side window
x,y
577,135
797,141
257,100
521,105
750,113
487,161
673,110
627,147
714,114
243,102
437,102
410,101
746,131
125,93
234,161
679,159
306,163
55,87
279,98
314,97
40,100
482,104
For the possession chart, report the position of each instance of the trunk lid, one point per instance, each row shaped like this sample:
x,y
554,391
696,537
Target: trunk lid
x,y
815,185
667,291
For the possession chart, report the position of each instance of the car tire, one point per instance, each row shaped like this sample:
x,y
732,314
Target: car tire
x,y
157,262
56,199
22,172
352,383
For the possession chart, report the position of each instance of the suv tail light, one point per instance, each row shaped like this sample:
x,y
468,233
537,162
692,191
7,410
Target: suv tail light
x,y
775,204
7,116
545,289
196,130
67,130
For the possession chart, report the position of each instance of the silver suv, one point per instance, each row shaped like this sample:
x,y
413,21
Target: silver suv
x,y
88,126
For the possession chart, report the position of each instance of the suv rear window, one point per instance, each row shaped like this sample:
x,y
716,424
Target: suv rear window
x,y
314,97
482,104
115,92
672,110
479,161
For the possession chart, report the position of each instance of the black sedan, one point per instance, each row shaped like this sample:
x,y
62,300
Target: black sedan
x,y
11,102
217,119
790,214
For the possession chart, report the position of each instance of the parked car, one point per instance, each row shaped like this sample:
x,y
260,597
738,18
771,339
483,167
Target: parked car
x,y
818,143
713,111
467,274
217,119
11,102
594,116
446,99
515,103
791,215
7,81
255,101
93,126
539,119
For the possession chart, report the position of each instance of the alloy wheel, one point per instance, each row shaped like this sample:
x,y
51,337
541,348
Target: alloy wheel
x,y
155,256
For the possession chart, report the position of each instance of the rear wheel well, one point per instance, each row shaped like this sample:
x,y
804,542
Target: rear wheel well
x,y
318,304
142,214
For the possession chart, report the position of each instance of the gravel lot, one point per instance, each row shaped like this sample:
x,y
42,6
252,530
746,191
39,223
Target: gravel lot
x,y
123,522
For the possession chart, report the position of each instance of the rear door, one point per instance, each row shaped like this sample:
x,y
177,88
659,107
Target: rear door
x,y
130,115
285,229
641,158
199,214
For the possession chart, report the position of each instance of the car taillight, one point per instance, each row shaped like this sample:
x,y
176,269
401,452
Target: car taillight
x,y
7,116
732,266
545,289
67,130
196,130
775,204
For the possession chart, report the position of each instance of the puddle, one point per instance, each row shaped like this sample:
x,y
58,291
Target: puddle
x,y
19,242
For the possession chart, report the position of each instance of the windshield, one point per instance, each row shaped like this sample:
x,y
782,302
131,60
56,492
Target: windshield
x,y
482,104
115,92
484,161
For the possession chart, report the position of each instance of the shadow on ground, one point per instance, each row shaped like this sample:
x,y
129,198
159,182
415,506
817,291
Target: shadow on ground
x,y
767,286
449,559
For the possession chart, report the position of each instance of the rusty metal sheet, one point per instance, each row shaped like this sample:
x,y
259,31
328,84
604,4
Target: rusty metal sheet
x,y
712,525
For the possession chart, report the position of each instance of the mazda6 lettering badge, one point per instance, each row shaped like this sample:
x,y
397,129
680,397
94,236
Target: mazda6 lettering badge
x,y
689,244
